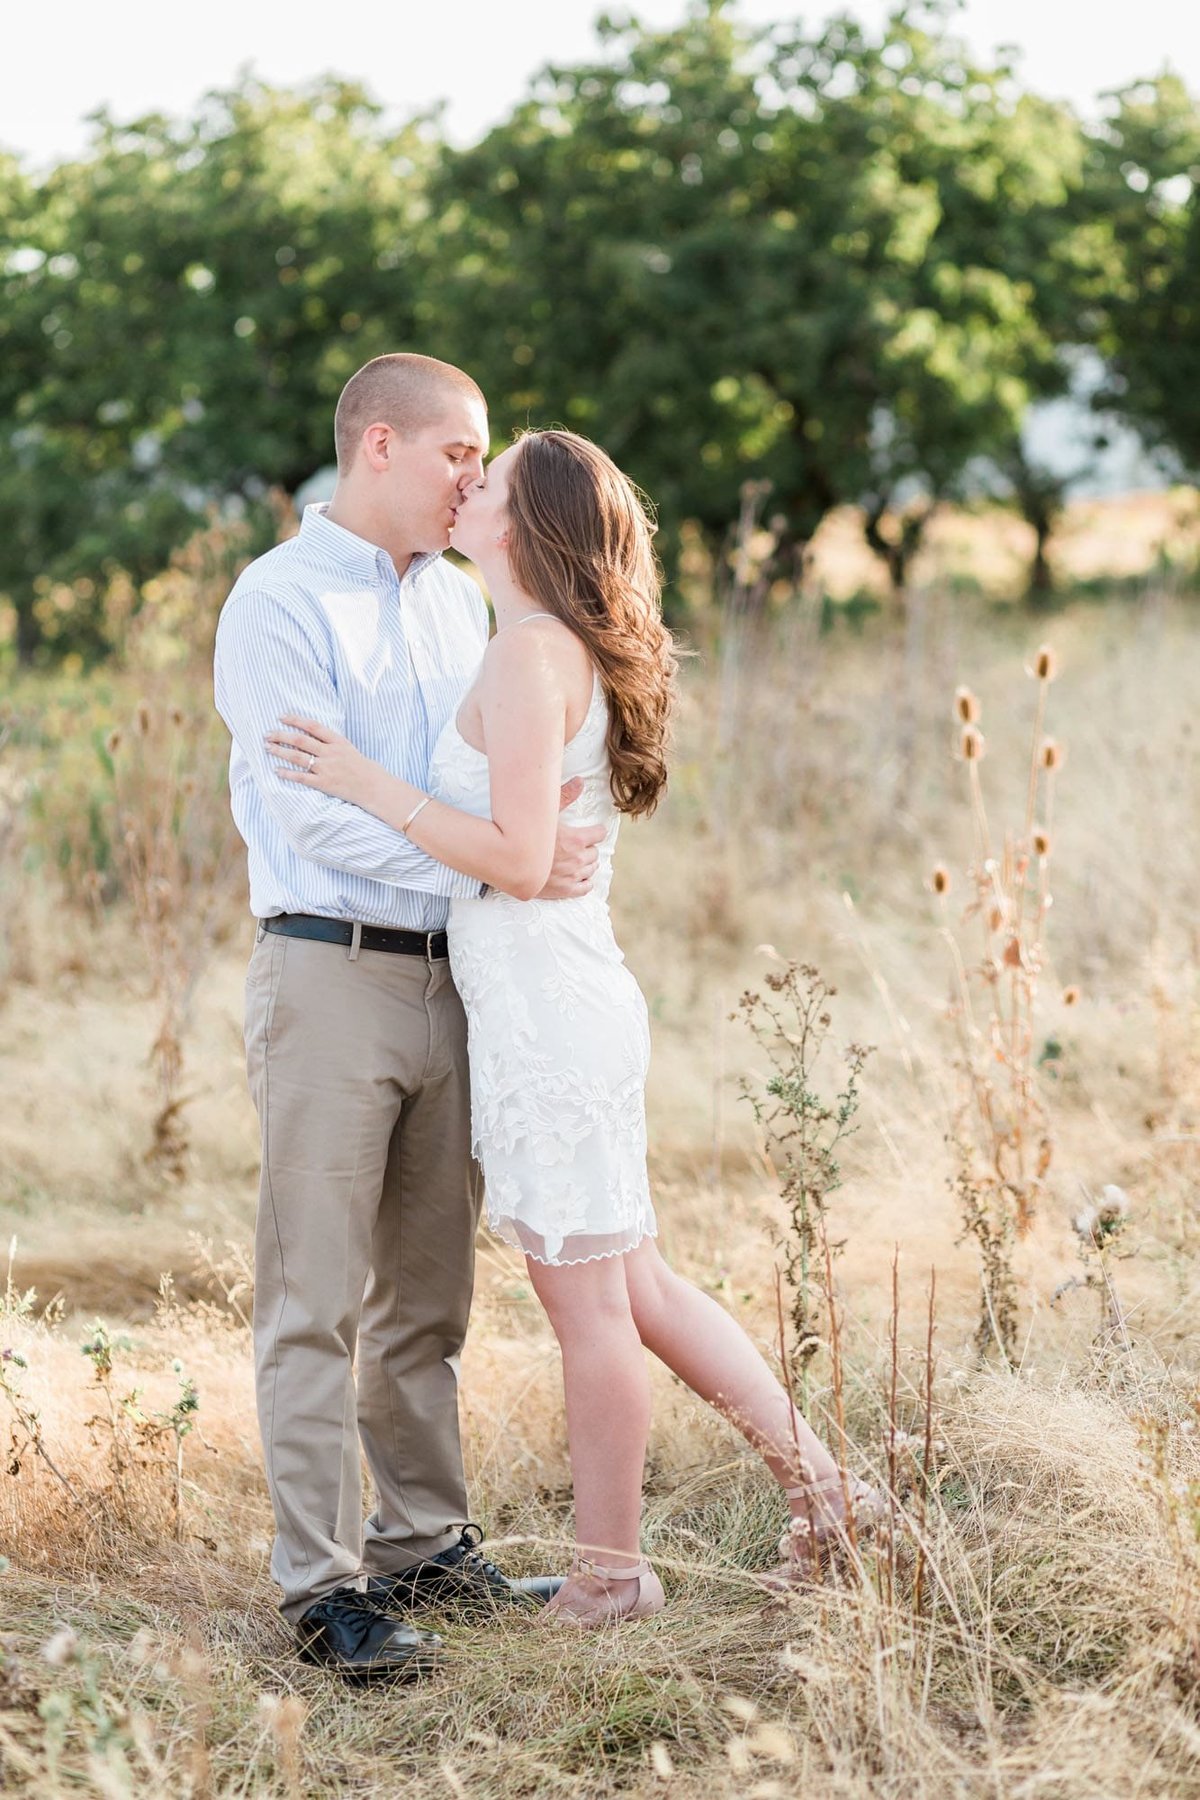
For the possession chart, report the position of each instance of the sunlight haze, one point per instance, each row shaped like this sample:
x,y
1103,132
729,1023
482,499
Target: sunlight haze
x,y
134,58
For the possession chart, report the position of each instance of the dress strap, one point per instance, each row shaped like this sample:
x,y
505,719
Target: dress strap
x,y
525,618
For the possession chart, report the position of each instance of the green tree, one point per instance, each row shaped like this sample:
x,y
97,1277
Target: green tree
x,y
1144,179
816,261
177,317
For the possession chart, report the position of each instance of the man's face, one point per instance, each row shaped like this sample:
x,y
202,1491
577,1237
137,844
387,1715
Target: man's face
x,y
429,474
483,513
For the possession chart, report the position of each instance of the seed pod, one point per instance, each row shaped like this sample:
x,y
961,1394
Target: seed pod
x,y
143,718
1045,663
1041,843
1115,1205
972,744
1051,755
1070,995
939,881
966,706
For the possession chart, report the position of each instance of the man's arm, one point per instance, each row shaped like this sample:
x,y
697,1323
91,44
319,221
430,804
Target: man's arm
x,y
267,665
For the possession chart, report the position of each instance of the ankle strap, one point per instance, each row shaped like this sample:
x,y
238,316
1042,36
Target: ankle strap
x,y
829,1484
634,1572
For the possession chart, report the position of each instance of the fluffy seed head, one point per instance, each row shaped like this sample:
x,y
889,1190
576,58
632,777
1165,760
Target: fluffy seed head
x,y
1114,1204
966,706
62,1648
660,1760
1085,1222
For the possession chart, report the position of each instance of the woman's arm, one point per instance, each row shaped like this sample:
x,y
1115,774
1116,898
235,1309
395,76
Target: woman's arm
x,y
266,659
523,701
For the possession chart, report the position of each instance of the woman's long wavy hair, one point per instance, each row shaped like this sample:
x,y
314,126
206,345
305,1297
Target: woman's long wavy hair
x,y
580,542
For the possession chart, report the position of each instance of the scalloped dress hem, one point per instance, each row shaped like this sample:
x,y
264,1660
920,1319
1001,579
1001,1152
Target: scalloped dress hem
x,y
507,1232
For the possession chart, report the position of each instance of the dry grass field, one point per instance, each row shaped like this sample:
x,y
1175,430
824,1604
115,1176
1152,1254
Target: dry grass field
x,y
1032,1632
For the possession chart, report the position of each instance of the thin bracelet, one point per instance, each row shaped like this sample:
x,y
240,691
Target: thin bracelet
x,y
416,809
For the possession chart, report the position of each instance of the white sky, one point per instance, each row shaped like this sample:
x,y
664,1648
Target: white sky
x,y
61,61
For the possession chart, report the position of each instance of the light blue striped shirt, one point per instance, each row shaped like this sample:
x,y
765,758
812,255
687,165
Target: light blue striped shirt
x,y
323,626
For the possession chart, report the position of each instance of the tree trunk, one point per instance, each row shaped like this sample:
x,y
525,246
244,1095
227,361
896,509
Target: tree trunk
x,y
1041,582
896,553
29,634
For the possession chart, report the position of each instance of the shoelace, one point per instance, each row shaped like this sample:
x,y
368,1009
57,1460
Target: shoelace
x,y
474,1557
355,1600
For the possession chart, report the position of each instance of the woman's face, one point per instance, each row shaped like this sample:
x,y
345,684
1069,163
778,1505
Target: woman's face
x,y
481,526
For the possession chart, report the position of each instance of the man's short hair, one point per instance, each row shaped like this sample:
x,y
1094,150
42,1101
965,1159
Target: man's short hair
x,y
406,391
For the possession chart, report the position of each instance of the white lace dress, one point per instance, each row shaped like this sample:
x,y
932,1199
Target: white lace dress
x,y
558,1033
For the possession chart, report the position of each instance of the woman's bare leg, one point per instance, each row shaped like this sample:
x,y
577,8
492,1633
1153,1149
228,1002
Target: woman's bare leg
x,y
607,1391
707,1348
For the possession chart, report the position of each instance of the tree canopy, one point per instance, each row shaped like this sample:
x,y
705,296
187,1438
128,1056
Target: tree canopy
x,y
841,263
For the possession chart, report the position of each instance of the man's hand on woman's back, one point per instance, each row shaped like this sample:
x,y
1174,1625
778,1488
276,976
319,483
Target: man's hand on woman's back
x,y
576,858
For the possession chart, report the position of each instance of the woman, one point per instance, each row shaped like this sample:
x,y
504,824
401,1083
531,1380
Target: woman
x,y
577,681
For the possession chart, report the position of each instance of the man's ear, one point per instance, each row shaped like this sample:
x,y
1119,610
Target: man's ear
x,y
377,445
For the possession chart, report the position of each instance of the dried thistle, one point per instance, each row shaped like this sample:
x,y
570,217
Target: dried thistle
x,y
1045,663
1100,1226
1000,1128
173,849
792,1025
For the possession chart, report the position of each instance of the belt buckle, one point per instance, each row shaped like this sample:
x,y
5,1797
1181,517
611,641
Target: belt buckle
x,y
429,937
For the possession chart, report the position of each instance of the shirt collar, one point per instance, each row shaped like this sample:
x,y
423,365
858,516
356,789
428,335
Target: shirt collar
x,y
352,554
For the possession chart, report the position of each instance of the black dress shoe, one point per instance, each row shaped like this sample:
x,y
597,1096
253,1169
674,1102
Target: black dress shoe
x,y
352,1634
461,1576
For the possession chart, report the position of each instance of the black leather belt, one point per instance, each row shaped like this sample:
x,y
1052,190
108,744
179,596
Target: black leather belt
x,y
430,944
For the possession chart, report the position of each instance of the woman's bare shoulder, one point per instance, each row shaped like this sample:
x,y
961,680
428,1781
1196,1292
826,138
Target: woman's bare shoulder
x,y
543,649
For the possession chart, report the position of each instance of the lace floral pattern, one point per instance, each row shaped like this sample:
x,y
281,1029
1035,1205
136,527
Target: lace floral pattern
x,y
559,1036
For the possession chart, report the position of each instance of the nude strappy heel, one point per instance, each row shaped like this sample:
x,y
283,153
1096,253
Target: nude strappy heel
x,y
610,1610
814,1539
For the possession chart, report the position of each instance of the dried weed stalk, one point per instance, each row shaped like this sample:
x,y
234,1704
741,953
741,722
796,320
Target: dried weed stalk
x,y
176,852
791,1023
132,1437
1001,1134
14,948
1102,1228
1177,1496
25,1430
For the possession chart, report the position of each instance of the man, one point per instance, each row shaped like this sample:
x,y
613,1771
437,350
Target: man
x,y
355,1036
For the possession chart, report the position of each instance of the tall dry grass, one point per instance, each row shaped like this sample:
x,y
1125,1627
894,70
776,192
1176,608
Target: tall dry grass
x,y
1033,1629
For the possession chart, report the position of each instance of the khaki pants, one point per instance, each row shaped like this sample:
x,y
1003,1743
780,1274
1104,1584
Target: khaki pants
x,y
366,1226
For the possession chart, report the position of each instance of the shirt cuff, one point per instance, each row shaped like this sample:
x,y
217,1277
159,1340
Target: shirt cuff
x,y
463,887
